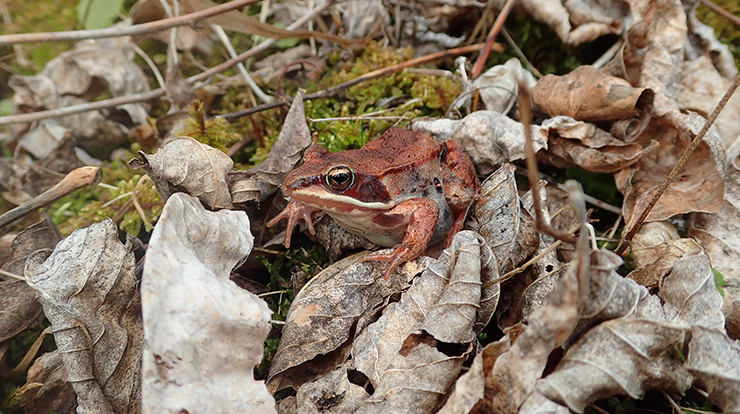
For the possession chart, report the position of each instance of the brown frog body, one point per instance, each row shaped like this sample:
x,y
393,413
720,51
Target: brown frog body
x,y
404,190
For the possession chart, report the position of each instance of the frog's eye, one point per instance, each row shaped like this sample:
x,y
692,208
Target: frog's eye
x,y
340,178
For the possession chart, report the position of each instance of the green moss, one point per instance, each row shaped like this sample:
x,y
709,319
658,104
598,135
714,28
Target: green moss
x,y
215,132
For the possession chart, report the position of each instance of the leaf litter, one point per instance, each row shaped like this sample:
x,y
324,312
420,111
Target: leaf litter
x,y
504,319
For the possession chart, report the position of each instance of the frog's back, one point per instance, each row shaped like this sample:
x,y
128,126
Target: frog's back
x,y
397,150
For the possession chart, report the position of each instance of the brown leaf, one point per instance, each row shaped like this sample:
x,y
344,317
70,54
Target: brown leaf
x,y
17,299
489,138
204,334
185,164
588,94
578,144
700,185
88,289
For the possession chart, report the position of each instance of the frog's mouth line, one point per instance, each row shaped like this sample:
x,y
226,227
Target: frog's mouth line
x,y
338,203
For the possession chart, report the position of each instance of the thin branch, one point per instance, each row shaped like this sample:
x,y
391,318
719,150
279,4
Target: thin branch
x,y
510,40
497,25
525,108
722,12
139,29
329,92
627,239
76,179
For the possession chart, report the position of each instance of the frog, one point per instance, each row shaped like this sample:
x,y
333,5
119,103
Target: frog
x,y
403,190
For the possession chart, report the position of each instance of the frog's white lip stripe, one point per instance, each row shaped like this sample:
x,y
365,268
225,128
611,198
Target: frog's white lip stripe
x,y
332,201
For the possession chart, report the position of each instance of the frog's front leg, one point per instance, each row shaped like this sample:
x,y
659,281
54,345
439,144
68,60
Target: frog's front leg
x,y
293,212
424,215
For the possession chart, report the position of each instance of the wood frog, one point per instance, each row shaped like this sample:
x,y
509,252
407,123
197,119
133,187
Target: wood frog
x,y
404,190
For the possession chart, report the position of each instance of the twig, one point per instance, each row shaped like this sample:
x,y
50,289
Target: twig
x,y
627,239
145,96
76,179
138,29
150,63
497,25
242,70
722,12
329,92
510,40
525,108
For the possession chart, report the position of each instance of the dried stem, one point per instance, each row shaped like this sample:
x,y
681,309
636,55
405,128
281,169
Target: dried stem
x,y
497,25
139,29
76,179
525,108
329,92
627,239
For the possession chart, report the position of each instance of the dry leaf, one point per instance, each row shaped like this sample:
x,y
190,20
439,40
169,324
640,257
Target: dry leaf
x,y
702,87
88,290
204,334
715,361
719,235
48,388
261,182
700,185
702,41
574,143
360,17
489,138
588,94
18,300
632,356
333,393
498,86
325,313
185,164
506,226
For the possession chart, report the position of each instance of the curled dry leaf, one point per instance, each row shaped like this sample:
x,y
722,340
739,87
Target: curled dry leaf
x,y
699,187
325,314
17,299
498,86
702,41
185,164
204,334
714,359
579,144
261,182
489,138
576,21
88,290
440,306
588,94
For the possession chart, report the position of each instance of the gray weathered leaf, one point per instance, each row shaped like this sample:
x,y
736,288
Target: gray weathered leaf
x,y
88,290
204,334
185,164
